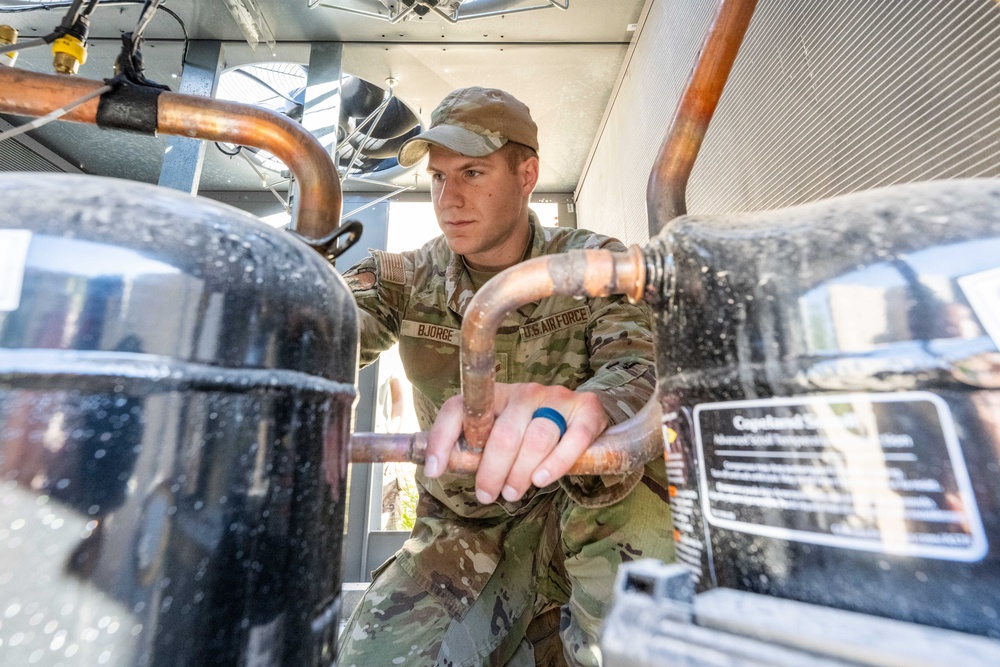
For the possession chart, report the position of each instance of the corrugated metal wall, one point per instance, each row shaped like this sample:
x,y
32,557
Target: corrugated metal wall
x,y
824,99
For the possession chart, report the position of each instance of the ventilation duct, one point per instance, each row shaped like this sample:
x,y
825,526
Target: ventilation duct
x,y
373,123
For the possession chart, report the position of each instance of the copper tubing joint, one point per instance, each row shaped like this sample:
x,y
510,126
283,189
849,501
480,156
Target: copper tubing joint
x,y
621,448
584,273
319,201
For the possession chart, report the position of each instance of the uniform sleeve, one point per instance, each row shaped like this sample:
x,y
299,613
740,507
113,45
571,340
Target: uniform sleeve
x,y
622,360
380,303
621,356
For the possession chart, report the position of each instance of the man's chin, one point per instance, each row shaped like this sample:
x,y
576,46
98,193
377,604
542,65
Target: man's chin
x,y
460,246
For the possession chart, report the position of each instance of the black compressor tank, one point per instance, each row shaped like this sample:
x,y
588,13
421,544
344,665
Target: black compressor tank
x,y
830,384
170,372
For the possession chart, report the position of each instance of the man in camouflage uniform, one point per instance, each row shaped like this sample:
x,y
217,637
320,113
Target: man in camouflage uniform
x,y
494,560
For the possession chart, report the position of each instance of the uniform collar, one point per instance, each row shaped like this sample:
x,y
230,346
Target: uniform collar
x,y
457,283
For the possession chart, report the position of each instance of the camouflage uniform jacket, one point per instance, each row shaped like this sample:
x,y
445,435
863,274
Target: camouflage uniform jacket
x,y
602,345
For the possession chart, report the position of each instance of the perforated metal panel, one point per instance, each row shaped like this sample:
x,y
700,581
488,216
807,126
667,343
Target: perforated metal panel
x,y
824,99
22,153
829,98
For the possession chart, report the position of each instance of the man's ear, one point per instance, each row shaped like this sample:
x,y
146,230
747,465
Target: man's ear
x,y
528,171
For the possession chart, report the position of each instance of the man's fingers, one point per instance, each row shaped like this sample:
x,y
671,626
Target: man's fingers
x,y
522,450
585,421
443,436
540,438
580,434
504,446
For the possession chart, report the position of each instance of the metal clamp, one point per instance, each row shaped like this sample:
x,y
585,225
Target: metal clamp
x,y
328,245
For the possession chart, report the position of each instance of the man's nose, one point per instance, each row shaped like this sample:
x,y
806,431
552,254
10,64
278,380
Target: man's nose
x,y
449,194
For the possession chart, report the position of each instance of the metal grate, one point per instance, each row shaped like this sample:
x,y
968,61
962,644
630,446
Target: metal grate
x,y
17,157
824,99
22,153
830,98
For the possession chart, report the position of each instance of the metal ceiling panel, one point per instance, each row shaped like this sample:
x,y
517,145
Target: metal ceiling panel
x,y
563,64
597,21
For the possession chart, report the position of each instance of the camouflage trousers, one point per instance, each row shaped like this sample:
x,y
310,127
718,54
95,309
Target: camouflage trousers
x,y
559,556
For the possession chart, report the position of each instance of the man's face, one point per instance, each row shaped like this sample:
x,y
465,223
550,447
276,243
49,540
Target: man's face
x,y
481,205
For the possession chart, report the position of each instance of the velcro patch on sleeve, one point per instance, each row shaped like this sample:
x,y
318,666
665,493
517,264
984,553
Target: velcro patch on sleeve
x,y
390,267
361,282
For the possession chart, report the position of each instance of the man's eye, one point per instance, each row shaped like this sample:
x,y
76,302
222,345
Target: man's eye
x,y
472,173
437,177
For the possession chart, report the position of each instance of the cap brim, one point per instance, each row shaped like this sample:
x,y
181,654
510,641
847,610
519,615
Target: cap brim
x,y
452,137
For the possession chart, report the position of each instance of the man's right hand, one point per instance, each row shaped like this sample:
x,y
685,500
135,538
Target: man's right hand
x,y
520,451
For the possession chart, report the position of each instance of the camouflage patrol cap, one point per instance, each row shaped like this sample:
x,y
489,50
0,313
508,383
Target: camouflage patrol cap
x,y
475,122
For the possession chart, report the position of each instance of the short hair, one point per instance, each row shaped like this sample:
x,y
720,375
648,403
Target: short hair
x,y
516,153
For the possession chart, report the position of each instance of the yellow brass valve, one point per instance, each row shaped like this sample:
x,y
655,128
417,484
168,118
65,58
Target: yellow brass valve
x,y
69,52
8,35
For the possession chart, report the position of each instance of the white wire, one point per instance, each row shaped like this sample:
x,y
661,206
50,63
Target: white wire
x,y
53,115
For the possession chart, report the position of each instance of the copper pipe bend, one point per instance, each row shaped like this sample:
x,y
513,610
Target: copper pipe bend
x,y
585,273
319,202
666,191
623,447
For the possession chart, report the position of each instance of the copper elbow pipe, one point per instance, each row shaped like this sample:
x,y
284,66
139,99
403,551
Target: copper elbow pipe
x,y
666,192
593,273
319,201
590,273
622,447
633,443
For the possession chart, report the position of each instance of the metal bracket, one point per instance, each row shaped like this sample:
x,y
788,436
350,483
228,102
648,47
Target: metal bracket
x,y
328,246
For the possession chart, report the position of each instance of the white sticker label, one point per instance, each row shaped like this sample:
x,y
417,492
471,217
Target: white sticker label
x,y
872,472
983,292
13,254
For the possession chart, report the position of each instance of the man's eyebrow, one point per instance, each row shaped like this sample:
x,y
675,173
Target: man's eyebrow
x,y
469,164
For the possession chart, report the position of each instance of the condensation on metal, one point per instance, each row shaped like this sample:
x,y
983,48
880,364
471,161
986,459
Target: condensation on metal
x,y
51,368
859,295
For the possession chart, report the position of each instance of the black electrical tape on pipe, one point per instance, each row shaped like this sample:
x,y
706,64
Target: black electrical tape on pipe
x,y
129,107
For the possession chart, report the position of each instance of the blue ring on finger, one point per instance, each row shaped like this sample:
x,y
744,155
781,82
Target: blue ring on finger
x,y
553,416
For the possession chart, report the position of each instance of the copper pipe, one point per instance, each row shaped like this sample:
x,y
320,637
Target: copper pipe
x,y
593,273
666,196
319,200
638,440
622,447
586,273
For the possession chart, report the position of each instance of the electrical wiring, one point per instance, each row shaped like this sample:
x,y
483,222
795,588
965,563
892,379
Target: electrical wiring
x,y
222,150
148,10
53,115
67,23
20,46
94,4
